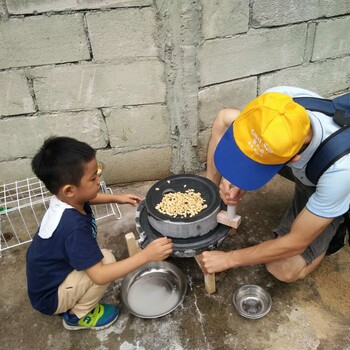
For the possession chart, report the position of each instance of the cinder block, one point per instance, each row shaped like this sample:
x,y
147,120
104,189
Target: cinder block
x,y
15,170
39,6
23,136
225,17
256,52
139,165
122,33
3,9
106,85
138,126
332,39
323,78
268,13
41,40
235,94
15,97
332,8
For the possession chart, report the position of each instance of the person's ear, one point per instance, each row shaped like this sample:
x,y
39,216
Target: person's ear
x,y
68,190
296,158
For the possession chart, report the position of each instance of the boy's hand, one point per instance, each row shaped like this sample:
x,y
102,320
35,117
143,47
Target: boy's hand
x,y
159,249
128,199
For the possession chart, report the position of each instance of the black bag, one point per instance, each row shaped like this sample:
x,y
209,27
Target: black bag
x,y
330,150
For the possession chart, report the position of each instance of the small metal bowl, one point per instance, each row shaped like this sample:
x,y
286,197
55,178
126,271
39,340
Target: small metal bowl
x,y
154,290
252,301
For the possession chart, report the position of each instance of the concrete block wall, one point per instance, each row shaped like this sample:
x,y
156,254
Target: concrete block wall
x,y
142,80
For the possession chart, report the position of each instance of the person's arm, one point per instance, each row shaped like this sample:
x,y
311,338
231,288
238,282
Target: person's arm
x,y
229,194
305,228
105,198
221,123
158,249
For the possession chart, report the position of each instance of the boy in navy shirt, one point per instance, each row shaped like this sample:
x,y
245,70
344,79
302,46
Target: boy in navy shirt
x,y
67,272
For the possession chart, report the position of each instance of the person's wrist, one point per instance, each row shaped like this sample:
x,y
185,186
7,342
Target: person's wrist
x,y
232,261
146,258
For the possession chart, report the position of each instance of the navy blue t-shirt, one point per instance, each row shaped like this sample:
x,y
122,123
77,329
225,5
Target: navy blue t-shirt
x,y
72,246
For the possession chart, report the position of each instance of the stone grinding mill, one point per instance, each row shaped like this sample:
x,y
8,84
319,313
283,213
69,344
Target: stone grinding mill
x,y
191,235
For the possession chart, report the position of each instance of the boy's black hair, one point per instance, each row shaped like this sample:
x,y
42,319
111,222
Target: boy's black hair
x,y
60,161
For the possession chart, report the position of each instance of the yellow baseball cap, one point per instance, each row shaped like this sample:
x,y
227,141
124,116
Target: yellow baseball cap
x,y
268,132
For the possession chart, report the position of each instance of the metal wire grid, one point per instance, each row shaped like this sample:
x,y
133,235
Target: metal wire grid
x,y
23,204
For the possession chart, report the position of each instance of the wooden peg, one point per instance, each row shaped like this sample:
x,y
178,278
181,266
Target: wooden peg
x,y
131,243
209,279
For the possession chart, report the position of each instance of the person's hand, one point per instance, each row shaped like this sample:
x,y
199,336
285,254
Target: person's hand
x,y
230,194
214,261
128,199
159,249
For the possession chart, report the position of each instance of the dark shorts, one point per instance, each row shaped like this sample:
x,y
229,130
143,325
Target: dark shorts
x,y
301,195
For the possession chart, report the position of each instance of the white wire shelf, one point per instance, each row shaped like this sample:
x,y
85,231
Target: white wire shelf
x,y
23,204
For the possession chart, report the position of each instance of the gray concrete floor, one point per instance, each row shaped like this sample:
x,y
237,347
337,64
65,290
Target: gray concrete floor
x,y
309,314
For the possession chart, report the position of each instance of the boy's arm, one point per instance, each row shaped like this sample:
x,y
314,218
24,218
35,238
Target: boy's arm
x,y
105,198
101,273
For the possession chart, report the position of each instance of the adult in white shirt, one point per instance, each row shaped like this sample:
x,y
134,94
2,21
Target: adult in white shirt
x,y
273,134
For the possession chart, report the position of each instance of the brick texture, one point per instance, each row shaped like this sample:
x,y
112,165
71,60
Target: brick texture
x,y
332,39
39,6
15,97
255,53
91,86
225,17
42,40
312,77
136,165
138,126
23,136
114,35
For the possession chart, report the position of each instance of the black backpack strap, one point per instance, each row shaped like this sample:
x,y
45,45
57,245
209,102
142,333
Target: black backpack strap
x,y
317,104
338,108
343,104
329,151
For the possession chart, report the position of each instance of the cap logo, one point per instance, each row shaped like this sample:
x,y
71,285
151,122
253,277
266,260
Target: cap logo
x,y
257,145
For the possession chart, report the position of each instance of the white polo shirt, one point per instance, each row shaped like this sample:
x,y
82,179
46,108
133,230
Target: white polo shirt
x,y
332,195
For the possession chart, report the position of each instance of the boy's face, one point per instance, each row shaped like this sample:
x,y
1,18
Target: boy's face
x,y
90,182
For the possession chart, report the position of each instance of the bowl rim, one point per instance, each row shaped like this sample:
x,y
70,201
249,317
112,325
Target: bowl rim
x,y
161,265
245,314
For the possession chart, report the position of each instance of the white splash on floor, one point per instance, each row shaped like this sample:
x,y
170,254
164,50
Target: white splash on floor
x,y
198,311
158,334
117,328
128,346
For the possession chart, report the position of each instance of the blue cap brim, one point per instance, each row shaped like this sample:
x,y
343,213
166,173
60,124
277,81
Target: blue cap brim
x,y
239,169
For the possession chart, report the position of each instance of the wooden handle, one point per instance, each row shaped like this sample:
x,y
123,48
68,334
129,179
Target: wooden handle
x,y
132,244
209,279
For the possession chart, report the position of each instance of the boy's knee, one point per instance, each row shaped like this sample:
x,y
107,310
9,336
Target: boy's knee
x,y
108,256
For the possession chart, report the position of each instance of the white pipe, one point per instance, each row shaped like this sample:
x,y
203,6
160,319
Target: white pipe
x,y
231,212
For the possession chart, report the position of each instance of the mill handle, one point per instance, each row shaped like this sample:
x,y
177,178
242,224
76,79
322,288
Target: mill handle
x,y
231,212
